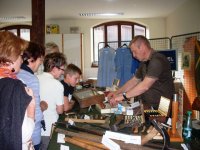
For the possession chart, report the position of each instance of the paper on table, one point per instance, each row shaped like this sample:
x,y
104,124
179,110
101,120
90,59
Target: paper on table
x,y
71,122
87,117
64,147
100,92
169,121
60,138
129,111
136,104
134,139
109,143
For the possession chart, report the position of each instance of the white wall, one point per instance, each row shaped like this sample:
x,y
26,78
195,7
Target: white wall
x,y
184,20
156,26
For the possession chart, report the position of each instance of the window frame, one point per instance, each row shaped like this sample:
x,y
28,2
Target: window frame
x,y
17,27
112,23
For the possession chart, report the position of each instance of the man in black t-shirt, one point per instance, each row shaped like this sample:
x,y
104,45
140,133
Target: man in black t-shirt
x,y
152,80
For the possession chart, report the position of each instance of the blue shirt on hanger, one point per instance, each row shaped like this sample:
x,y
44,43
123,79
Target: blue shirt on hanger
x,y
106,70
123,63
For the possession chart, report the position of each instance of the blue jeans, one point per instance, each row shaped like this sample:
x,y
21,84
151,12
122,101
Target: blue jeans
x,y
37,147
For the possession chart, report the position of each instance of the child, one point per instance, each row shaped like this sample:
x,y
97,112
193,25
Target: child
x,y
71,78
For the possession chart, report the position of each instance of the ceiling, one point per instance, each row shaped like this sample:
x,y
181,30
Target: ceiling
x,y
20,10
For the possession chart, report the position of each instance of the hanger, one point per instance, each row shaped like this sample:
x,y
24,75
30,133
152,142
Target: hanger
x,y
124,45
107,46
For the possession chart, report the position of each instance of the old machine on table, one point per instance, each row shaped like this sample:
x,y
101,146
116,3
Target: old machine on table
x,y
91,129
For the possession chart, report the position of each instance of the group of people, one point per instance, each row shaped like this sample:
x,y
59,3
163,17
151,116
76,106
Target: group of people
x,y
31,100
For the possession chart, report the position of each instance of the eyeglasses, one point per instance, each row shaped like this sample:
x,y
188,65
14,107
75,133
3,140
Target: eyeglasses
x,y
61,68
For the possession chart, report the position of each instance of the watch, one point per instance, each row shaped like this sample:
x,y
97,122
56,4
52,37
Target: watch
x,y
124,95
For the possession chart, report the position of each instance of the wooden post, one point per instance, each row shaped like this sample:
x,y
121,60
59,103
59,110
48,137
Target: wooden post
x,y
173,133
38,21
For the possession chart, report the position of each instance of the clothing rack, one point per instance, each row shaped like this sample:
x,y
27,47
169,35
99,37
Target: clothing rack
x,y
107,43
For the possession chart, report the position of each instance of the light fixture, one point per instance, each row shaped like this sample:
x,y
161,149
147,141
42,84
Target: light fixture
x,y
12,18
100,14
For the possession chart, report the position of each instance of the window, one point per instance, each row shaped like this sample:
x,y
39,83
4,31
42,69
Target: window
x,y
20,30
115,34
99,34
25,34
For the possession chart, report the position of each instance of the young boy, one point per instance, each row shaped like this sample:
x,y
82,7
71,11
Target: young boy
x,y
71,78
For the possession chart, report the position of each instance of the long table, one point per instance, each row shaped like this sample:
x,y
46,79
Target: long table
x,y
53,145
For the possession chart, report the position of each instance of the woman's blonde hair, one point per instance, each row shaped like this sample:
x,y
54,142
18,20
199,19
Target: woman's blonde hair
x,y
11,47
51,47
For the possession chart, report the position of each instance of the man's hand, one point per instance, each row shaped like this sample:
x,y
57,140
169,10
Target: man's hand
x,y
115,100
111,95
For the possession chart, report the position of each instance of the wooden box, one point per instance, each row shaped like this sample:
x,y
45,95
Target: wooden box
x,y
162,112
88,97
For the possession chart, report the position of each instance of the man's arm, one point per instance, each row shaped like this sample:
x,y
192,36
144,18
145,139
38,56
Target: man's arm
x,y
141,87
138,89
59,109
128,85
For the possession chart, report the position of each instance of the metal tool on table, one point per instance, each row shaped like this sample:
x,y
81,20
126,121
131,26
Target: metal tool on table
x,y
81,118
85,130
104,126
163,132
82,129
135,120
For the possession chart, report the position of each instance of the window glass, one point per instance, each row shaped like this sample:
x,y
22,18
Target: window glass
x,y
112,36
98,37
126,34
138,30
25,34
13,31
112,33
